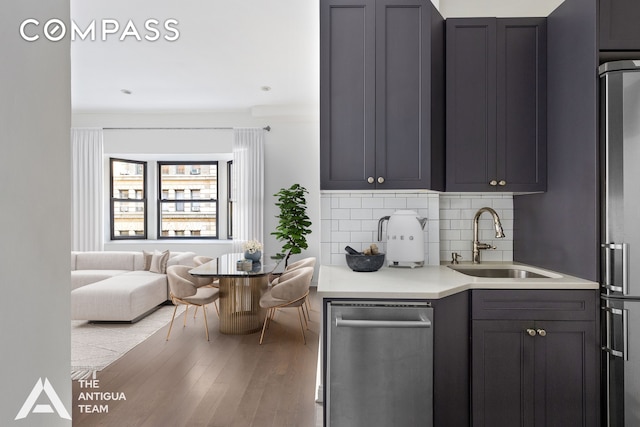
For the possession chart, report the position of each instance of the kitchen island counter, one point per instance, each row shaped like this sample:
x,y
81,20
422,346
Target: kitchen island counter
x,y
432,282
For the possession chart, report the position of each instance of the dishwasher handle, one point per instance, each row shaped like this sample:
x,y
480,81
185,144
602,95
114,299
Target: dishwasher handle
x,y
362,323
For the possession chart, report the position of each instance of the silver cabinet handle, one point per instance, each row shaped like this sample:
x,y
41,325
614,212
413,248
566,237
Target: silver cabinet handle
x,y
542,332
531,332
609,252
370,180
502,183
361,323
493,183
380,180
608,347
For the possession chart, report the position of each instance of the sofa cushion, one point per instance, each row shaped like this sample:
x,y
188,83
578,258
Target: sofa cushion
x,y
125,297
147,260
84,277
108,260
143,273
159,262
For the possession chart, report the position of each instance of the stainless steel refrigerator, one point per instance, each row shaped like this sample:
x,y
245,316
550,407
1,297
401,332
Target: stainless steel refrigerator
x,y
620,240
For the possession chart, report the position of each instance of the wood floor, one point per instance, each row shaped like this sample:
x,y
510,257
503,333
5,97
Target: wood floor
x,y
228,381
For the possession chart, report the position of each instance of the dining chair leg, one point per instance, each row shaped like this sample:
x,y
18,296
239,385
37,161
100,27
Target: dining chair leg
x,y
307,319
304,339
171,324
305,310
195,311
269,316
264,325
206,324
215,304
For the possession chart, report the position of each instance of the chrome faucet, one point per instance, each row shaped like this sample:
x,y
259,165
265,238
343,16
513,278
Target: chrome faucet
x,y
477,246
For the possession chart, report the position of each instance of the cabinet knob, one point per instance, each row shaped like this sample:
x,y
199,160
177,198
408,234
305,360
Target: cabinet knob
x,y
542,332
502,182
380,180
531,332
493,182
370,180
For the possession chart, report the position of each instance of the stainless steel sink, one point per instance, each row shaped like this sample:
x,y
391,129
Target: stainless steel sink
x,y
493,272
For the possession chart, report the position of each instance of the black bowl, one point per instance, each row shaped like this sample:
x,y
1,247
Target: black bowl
x,y
365,263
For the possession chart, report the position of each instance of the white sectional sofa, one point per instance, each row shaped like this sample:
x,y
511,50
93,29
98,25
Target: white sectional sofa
x,y
120,286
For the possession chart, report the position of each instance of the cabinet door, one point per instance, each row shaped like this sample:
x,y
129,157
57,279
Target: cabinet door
x,y
619,29
403,95
566,379
471,104
381,96
521,104
347,93
496,104
502,380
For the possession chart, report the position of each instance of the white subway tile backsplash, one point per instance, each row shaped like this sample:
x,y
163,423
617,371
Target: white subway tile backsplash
x,y
361,213
372,202
351,203
395,203
352,219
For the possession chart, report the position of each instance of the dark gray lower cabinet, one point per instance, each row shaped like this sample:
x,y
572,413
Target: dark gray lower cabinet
x,y
535,358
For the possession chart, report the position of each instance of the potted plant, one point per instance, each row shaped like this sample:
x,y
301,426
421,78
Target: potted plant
x,y
293,225
252,250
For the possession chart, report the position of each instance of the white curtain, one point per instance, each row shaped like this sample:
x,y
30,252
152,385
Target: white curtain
x,y
87,184
248,176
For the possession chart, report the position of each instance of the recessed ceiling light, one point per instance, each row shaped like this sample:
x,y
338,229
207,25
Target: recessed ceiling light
x,y
265,88
126,91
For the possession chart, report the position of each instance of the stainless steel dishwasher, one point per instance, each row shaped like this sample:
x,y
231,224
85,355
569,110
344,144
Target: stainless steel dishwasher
x,y
379,364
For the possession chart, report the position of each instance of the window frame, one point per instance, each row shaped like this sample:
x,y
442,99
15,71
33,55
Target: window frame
x,y
161,200
113,200
230,200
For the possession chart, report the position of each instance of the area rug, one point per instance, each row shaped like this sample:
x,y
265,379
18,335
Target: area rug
x,y
94,346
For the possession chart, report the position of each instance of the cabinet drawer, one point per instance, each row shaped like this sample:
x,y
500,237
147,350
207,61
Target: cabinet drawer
x,y
530,304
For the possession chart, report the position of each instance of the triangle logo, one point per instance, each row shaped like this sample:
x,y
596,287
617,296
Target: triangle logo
x,y
30,405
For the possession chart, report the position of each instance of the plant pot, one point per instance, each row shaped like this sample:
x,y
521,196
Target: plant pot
x,y
253,256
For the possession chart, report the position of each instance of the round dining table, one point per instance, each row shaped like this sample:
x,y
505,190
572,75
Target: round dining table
x,y
241,286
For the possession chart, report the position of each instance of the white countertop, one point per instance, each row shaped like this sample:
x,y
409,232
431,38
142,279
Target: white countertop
x,y
432,282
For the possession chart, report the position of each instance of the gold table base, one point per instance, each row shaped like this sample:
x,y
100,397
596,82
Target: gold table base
x,y
239,300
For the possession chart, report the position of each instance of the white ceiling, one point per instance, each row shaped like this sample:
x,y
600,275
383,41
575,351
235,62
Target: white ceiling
x,y
226,52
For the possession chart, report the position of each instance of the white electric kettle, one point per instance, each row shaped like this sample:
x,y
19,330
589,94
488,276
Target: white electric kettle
x,y
405,238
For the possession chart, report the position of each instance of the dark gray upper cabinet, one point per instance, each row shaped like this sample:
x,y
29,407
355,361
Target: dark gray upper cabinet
x,y
535,358
496,104
619,29
381,95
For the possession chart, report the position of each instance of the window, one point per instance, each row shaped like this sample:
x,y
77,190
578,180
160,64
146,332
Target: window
x,y
128,199
230,199
188,202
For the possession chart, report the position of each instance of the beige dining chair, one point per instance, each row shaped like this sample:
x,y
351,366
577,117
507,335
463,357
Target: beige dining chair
x,y
185,289
198,260
291,291
305,262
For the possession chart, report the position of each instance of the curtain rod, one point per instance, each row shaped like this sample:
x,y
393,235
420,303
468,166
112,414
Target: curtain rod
x,y
267,128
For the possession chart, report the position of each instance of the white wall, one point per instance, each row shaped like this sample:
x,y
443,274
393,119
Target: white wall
x,y
497,8
35,177
291,156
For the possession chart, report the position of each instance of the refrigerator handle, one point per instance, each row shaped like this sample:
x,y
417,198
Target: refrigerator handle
x,y
609,249
610,311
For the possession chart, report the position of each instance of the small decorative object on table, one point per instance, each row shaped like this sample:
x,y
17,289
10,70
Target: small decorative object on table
x,y
252,250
